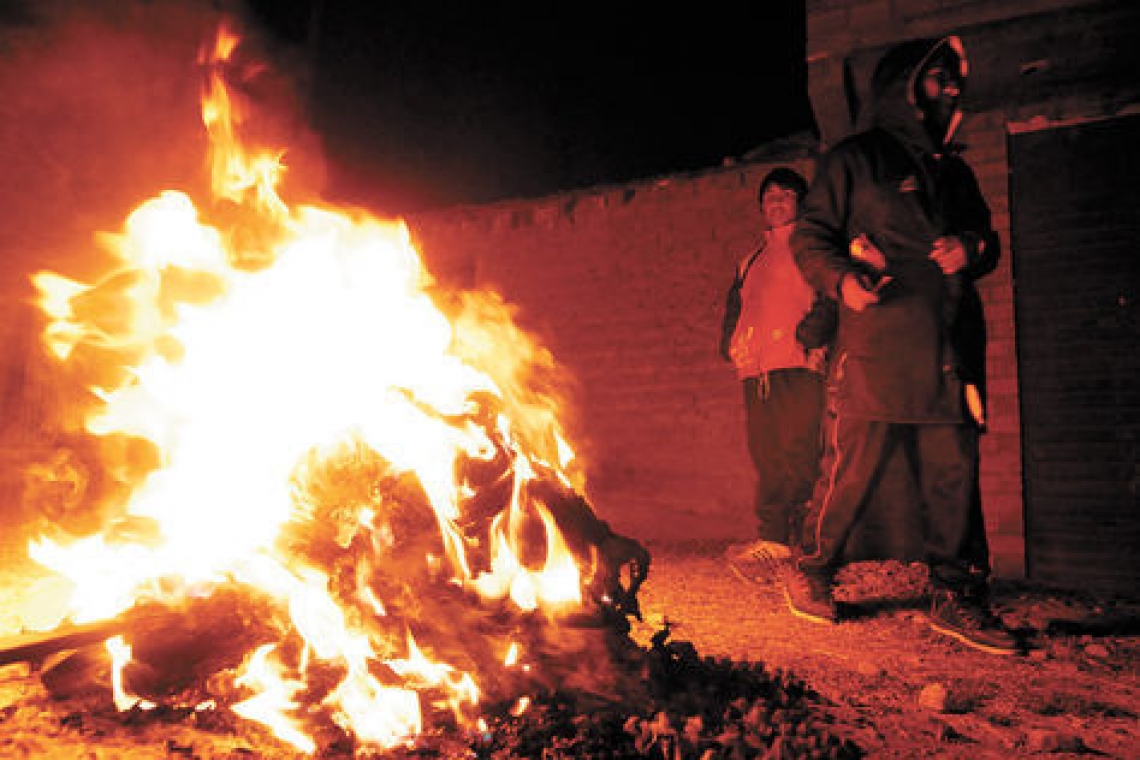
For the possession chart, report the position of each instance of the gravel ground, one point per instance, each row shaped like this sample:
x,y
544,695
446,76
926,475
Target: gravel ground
x,y
885,681
904,691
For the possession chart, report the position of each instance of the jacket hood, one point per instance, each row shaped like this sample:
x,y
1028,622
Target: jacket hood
x,y
893,102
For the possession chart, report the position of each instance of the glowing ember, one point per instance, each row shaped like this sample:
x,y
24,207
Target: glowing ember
x,y
319,435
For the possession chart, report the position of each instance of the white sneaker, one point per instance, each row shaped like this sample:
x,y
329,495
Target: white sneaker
x,y
760,561
763,550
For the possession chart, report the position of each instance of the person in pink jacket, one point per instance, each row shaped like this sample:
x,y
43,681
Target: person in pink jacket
x,y
781,378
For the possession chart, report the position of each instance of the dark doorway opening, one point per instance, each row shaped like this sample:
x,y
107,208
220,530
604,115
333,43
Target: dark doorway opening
x,y
1075,202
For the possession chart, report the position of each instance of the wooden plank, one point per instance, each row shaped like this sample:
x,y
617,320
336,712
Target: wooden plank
x,y
36,646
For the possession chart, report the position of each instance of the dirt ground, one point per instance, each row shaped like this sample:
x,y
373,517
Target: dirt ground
x,y
884,680
903,691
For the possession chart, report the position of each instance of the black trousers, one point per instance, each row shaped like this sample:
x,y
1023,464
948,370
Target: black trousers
x,y
783,409
945,466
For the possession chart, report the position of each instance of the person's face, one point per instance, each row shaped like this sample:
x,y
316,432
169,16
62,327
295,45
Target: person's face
x,y
778,204
938,92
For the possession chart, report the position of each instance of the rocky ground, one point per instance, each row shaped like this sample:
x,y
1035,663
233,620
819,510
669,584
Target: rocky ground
x,y
903,691
882,679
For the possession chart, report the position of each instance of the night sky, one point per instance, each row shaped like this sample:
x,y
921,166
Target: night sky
x,y
428,104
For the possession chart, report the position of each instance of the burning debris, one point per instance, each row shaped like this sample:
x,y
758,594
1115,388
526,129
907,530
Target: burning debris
x,y
332,523
664,701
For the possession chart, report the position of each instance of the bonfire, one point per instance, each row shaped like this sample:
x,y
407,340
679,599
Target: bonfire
x,y
347,512
346,509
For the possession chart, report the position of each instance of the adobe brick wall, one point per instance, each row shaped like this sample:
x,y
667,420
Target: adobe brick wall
x,y
1001,480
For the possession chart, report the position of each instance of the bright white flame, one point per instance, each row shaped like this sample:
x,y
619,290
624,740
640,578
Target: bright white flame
x,y
120,656
273,701
240,375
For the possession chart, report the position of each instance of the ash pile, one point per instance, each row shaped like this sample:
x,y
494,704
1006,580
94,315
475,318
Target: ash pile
x,y
689,708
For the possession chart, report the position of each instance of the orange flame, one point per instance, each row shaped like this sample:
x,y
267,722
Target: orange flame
x,y
249,381
233,172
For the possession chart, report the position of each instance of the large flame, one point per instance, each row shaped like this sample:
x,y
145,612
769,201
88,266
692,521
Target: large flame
x,y
304,395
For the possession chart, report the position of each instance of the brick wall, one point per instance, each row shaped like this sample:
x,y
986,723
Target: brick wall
x,y
1001,480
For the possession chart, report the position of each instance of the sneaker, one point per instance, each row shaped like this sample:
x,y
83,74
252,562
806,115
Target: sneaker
x,y
763,550
971,623
809,596
760,561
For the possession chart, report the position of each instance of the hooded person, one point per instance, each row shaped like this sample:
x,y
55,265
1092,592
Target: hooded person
x,y
894,227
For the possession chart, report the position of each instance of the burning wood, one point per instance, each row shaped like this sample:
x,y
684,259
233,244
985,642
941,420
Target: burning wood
x,y
189,647
36,647
664,701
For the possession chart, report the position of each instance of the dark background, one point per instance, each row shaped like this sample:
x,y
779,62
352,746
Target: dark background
x,y
428,104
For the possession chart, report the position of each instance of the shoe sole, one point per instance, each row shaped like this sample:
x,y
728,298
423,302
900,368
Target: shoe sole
x,y
970,642
820,619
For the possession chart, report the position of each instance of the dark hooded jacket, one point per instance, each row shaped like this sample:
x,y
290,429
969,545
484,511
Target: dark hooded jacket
x,y
899,360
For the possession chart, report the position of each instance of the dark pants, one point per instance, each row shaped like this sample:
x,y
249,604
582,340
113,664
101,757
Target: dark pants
x,y
944,457
782,411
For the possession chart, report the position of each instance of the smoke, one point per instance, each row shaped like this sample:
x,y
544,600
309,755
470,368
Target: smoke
x,y
99,111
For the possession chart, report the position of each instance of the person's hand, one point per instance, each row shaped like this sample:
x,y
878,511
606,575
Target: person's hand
x,y
862,249
856,294
949,253
740,349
